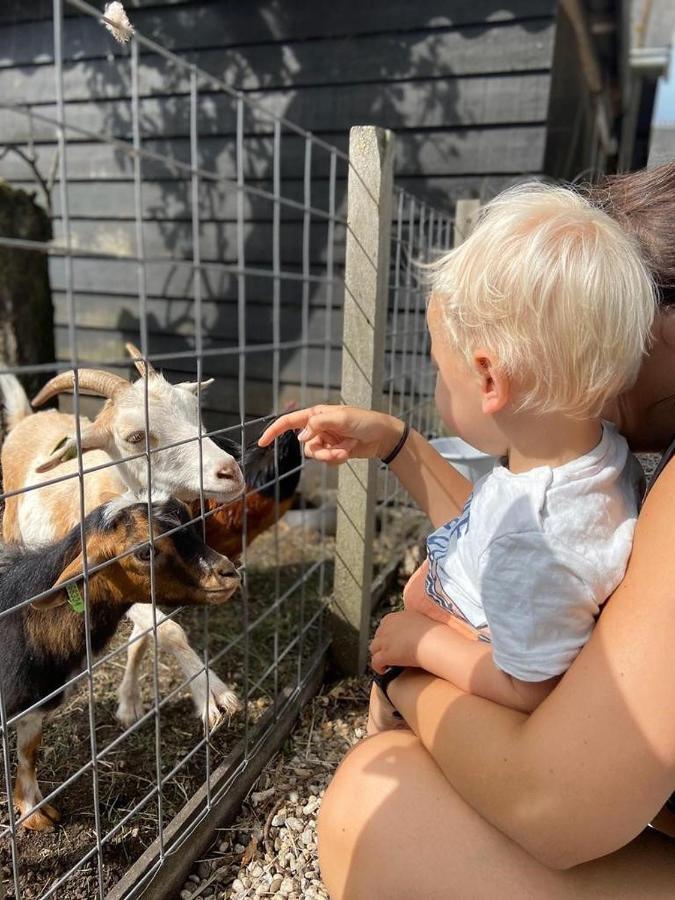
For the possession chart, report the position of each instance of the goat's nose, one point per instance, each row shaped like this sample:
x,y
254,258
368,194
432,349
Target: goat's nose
x,y
229,471
226,569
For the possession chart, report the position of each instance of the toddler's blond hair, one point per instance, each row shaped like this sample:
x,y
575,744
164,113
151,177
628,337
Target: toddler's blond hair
x,y
557,291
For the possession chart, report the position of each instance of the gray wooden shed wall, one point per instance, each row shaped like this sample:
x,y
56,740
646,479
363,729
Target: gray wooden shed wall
x,y
464,83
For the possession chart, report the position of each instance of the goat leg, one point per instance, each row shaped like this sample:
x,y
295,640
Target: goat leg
x,y
209,704
27,793
130,705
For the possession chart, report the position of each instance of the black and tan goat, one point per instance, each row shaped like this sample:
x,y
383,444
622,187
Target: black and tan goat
x,y
43,639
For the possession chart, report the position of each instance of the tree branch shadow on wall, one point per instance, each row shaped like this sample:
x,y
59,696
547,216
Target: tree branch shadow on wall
x,y
392,89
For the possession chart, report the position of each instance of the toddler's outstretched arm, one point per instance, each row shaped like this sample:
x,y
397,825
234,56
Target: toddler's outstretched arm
x,y
334,434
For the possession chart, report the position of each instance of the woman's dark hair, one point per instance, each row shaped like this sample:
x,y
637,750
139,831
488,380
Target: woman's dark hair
x,y
643,203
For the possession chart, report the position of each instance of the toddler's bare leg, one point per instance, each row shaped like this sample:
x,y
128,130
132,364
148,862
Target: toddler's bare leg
x,y
416,598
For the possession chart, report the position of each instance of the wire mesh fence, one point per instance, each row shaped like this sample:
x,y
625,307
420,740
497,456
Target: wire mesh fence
x,y
419,234
227,264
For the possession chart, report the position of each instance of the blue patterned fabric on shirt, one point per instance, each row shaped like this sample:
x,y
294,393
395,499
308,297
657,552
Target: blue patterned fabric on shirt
x,y
438,544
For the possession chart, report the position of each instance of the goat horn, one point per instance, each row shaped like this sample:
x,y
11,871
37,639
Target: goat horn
x,y
139,362
90,381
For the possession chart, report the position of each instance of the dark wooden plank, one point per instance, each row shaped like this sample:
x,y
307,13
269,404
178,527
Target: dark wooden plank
x,y
484,49
219,318
478,100
165,279
218,240
171,199
105,309
508,150
444,190
102,345
231,23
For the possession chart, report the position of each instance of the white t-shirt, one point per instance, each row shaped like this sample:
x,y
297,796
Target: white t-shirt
x,y
533,556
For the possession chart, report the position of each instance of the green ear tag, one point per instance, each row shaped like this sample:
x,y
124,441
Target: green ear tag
x,y
75,598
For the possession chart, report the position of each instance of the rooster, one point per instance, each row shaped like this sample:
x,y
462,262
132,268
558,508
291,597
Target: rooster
x,y
225,523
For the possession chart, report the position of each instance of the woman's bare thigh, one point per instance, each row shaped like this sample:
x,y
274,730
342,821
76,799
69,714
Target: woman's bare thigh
x,y
392,828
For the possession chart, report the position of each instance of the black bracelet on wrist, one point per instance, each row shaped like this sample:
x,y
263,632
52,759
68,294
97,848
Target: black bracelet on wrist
x,y
385,679
399,446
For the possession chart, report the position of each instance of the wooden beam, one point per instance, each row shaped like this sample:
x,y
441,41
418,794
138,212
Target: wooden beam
x,y
587,55
365,306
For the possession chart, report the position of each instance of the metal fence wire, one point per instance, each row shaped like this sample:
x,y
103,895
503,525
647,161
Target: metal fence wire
x,y
252,296
420,233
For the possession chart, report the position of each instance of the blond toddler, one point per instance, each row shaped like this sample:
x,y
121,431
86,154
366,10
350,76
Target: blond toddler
x,y
538,322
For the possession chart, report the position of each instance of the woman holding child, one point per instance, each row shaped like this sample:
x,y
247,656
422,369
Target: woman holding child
x,y
539,745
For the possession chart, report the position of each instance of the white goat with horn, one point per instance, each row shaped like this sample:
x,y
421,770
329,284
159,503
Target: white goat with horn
x,y
41,446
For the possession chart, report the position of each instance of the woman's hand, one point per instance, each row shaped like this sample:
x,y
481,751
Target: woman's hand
x,y
334,434
398,638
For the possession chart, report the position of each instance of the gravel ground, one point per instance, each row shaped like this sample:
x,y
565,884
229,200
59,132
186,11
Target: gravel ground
x,y
270,851
649,461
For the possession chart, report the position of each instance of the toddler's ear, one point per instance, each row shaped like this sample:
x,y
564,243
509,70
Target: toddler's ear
x,y
495,383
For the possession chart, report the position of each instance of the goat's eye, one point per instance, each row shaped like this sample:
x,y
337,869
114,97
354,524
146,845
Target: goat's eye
x,y
144,554
135,437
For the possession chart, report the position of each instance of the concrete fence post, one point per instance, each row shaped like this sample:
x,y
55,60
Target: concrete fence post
x,y
370,187
465,217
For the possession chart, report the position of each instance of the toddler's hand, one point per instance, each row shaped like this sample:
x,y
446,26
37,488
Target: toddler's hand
x,y
334,434
397,640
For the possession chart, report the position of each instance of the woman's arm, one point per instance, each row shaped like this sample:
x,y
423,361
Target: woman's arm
x,y
408,638
334,434
435,485
595,762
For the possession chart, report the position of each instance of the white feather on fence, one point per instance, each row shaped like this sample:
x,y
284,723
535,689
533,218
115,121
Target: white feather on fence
x,y
118,23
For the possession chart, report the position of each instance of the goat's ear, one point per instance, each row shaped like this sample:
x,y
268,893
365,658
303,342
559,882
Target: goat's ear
x,y
75,569
93,438
193,386
50,602
59,598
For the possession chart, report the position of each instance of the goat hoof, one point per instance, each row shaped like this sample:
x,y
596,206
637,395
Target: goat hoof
x,y
222,703
52,812
129,711
43,819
